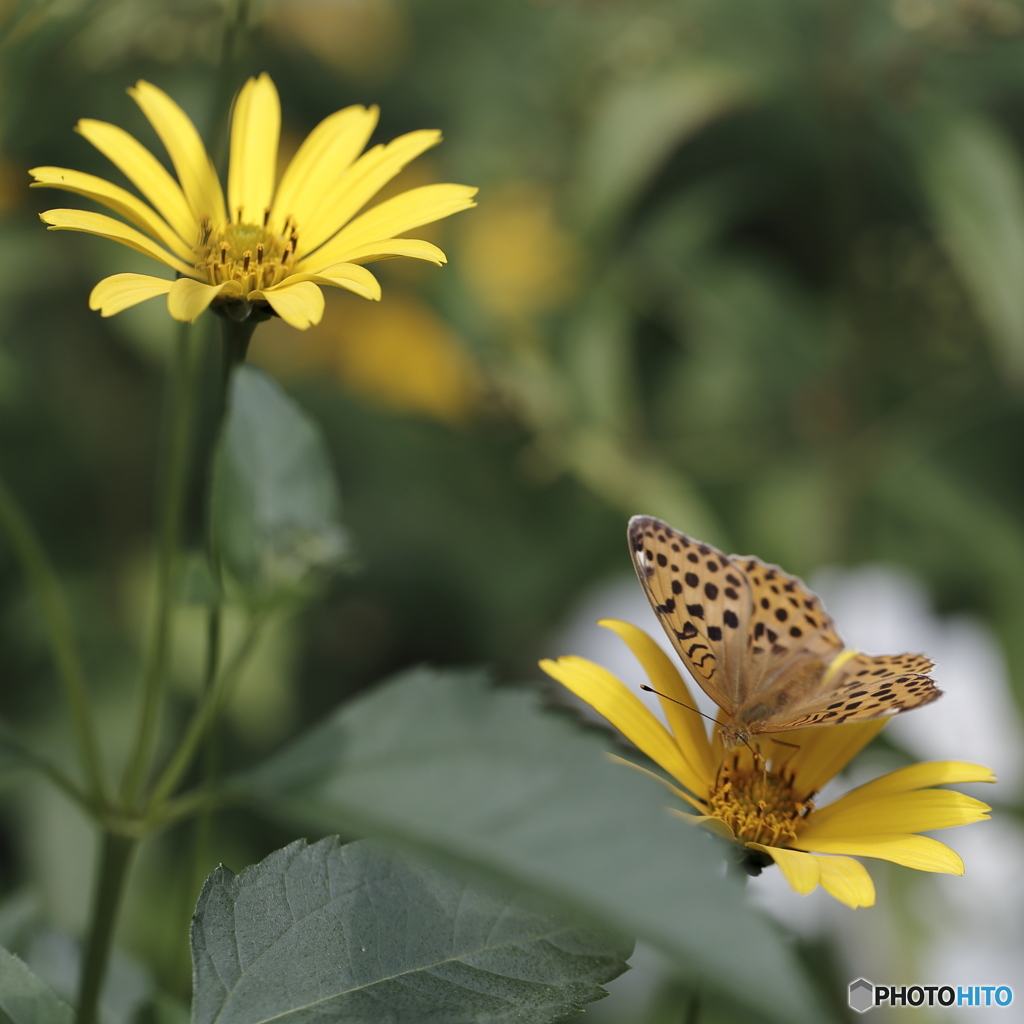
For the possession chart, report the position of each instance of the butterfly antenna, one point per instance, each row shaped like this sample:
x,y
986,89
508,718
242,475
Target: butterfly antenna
x,y
651,689
756,753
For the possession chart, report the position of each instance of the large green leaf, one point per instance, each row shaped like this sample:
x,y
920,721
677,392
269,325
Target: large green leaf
x,y
361,933
638,124
275,499
25,999
446,762
973,180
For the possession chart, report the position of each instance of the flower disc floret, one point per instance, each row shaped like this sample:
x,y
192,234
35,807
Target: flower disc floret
x,y
758,804
250,254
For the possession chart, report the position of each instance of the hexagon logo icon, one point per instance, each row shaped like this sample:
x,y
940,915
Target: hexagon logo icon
x,y
862,995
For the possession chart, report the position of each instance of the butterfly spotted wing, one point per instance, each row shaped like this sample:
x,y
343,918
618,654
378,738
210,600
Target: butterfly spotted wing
x,y
759,642
864,687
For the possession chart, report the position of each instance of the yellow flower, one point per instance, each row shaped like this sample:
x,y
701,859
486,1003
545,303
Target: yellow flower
x,y
767,806
265,249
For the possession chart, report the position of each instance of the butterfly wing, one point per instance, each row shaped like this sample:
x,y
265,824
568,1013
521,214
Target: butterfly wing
x,y
751,635
792,638
703,601
861,688
760,643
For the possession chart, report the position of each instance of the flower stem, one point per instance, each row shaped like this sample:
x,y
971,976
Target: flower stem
x,y
50,596
112,873
233,53
175,470
206,714
692,1012
236,336
87,801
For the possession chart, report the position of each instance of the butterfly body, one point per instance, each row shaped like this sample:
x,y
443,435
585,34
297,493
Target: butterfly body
x,y
760,644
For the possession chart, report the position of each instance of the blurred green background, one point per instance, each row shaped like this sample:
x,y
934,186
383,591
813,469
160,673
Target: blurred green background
x,y
754,266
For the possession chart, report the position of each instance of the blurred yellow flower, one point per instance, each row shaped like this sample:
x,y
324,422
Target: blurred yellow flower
x,y
361,39
401,355
267,249
767,806
516,258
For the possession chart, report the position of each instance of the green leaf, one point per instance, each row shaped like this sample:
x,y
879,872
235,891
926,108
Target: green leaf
x,y
275,500
638,125
362,933
443,761
55,956
973,180
24,999
15,757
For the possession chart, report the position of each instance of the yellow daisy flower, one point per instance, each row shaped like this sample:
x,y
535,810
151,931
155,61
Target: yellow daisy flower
x,y
766,806
266,248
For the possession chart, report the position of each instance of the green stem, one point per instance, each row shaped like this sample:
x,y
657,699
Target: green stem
x,y
233,52
172,499
205,715
236,337
195,801
57,776
44,583
692,1013
111,875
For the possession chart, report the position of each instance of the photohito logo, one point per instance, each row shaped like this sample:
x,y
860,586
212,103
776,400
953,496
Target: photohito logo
x,y
865,995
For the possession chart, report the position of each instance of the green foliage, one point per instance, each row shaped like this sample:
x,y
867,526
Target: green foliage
x,y
974,182
640,123
442,761
24,999
362,933
275,501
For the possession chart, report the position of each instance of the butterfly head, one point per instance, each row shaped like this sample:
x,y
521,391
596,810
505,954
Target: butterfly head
x,y
734,736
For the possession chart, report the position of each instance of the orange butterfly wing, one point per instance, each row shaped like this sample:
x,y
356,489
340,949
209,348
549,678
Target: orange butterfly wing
x,y
760,643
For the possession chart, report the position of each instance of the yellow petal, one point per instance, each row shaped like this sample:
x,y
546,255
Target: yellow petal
x,y
187,299
185,148
346,275
688,726
388,248
300,305
706,821
822,752
916,776
324,156
115,198
255,130
120,291
919,852
920,811
106,227
612,699
145,172
401,213
847,880
799,869
363,180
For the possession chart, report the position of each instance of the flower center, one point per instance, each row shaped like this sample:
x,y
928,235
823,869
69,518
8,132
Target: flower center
x,y
250,254
758,805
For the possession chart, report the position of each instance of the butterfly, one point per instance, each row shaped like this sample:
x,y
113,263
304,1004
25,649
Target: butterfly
x,y
760,643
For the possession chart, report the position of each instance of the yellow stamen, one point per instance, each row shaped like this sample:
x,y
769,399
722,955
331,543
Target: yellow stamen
x,y
758,805
227,255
